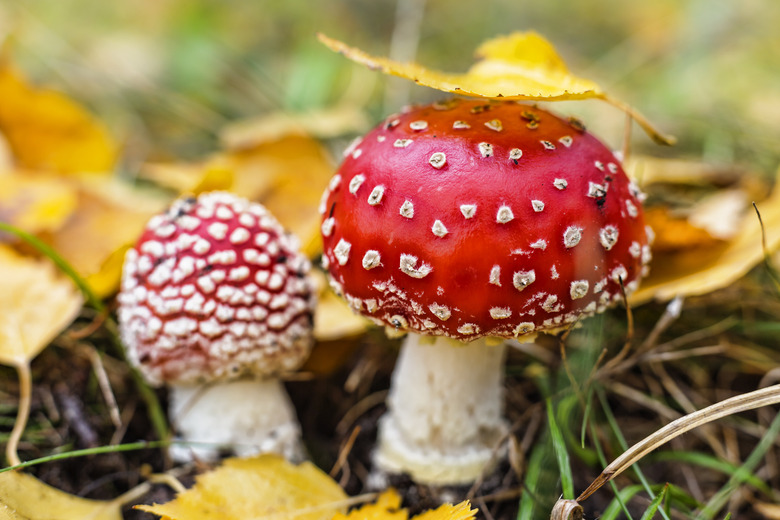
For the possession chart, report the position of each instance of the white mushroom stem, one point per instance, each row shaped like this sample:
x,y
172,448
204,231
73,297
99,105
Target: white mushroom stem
x,y
445,407
243,417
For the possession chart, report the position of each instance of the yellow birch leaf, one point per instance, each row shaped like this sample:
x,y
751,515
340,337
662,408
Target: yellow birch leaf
x,y
700,270
110,217
386,507
46,130
26,497
35,305
35,203
522,66
266,486
461,511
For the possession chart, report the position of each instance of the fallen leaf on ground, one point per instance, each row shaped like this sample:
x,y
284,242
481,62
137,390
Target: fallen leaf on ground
x,y
387,507
522,66
24,497
696,270
287,175
770,511
35,305
111,215
36,203
461,511
266,486
333,319
46,130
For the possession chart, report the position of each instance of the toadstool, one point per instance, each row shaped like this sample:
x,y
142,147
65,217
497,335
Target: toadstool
x,y
216,302
464,221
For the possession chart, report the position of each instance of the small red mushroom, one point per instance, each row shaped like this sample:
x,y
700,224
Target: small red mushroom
x,y
468,220
216,301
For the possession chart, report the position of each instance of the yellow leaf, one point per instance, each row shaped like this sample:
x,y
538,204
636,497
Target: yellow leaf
x,y
522,65
460,511
35,203
23,496
333,319
699,270
322,124
287,175
386,507
46,130
35,305
770,511
111,216
266,486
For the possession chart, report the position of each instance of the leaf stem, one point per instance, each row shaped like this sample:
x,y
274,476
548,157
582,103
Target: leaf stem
x,y
22,413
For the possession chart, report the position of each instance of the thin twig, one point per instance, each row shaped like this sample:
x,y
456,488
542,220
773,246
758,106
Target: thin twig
x,y
105,386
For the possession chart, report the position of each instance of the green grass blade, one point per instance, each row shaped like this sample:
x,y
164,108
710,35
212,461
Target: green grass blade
x,y
533,476
624,445
709,462
60,262
561,454
743,473
653,508
155,411
116,448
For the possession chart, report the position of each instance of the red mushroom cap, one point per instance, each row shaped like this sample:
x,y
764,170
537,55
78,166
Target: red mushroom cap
x,y
214,289
469,219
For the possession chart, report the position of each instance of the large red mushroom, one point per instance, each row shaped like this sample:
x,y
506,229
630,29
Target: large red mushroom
x,y
216,302
464,221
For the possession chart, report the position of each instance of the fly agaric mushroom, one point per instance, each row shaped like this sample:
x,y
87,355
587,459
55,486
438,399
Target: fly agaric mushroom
x,y
216,302
465,221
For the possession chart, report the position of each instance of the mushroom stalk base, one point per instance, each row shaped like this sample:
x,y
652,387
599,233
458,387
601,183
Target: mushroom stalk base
x,y
242,417
445,410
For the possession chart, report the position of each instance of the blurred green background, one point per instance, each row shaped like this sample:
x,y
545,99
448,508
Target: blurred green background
x,y
167,75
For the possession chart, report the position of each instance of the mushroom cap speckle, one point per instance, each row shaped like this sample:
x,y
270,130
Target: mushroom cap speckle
x,y
471,219
215,289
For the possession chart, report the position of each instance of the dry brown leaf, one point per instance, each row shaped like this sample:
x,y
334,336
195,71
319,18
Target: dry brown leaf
x,y
45,130
700,270
36,203
522,65
266,486
35,305
111,216
25,497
